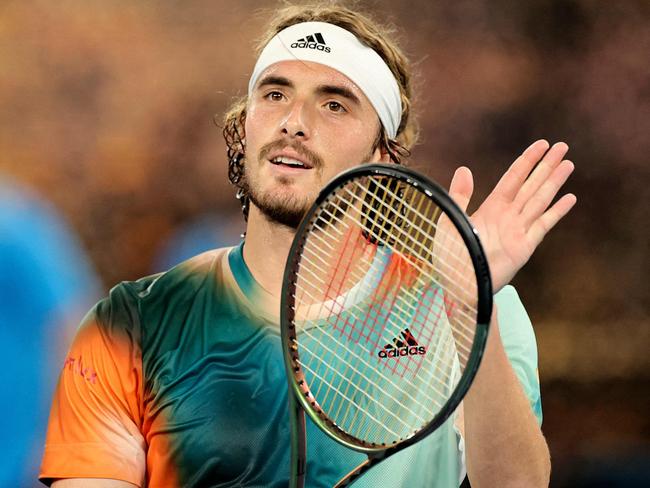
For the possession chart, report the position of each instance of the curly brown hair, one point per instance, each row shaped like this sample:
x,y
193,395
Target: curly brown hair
x,y
369,32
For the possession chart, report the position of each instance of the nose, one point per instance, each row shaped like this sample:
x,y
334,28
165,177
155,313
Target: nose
x,y
295,123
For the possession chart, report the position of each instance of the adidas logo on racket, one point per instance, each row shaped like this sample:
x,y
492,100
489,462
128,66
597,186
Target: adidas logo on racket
x,y
315,41
401,348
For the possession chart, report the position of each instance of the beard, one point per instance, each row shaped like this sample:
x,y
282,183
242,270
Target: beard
x,y
285,209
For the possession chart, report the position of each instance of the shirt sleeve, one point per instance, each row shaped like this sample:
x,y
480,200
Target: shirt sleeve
x,y
520,345
518,338
94,430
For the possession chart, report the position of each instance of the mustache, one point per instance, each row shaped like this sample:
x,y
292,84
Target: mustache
x,y
312,158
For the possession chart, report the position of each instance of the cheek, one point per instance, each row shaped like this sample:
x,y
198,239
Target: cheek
x,y
364,137
354,144
256,122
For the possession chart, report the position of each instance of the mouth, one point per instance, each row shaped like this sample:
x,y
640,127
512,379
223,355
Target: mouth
x,y
290,162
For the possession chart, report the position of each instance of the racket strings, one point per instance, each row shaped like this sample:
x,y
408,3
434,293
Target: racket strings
x,y
360,277
470,318
437,379
464,348
324,348
350,401
393,406
355,307
421,412
324,330
438,392
397,305
391,212
316,226
469,286
462,310
427,254
381,422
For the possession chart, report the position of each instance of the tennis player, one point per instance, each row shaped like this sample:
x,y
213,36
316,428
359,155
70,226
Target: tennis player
x,y
178,379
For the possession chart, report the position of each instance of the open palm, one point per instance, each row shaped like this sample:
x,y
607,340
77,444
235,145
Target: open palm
x,y
516,216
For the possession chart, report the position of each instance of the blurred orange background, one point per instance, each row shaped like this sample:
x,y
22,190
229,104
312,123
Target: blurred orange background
x,y
107,108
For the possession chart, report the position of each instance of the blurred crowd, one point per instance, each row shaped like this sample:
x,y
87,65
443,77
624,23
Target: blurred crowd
x,y
112,167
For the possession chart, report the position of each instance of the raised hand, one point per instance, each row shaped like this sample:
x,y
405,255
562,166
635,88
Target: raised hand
x,y
515,217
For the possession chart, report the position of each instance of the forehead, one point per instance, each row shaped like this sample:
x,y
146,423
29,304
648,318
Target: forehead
x,y
309,75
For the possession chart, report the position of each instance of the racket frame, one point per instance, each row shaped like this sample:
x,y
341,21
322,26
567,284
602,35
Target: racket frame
x,y
300,398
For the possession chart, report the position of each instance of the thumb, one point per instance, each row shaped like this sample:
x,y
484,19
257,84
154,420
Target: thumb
x,y
462,187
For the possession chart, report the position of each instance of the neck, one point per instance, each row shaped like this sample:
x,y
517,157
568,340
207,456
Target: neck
x,y
266,249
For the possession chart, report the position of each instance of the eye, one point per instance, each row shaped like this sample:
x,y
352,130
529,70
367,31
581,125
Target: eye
x,y
274,96
334,106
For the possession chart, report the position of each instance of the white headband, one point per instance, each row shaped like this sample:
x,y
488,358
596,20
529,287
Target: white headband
x,y
339,49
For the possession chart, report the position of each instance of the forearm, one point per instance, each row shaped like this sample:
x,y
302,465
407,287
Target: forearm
x,y
504,445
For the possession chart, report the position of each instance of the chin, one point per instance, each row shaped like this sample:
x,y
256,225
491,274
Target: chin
x,y
286,209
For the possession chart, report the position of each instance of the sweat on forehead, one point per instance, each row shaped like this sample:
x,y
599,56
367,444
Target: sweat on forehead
x,y
339,49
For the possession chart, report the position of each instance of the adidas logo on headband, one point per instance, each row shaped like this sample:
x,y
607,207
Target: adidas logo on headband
x,y
315,41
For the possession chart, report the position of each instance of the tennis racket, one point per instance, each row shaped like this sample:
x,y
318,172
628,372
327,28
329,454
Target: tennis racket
x,y
386,302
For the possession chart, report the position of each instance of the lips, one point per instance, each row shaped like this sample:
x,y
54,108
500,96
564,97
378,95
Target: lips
x,y
293,163
291,160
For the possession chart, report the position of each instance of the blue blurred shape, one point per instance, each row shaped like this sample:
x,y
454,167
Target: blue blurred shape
x,y
46,285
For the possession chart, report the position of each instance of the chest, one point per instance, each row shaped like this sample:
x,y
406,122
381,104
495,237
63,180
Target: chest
x,y
215,403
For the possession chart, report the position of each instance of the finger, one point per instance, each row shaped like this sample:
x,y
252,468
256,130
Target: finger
x,y
462,187
552,216
541,173
545,194
511,181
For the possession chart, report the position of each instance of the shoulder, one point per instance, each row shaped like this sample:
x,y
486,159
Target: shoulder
x,y
129,301
185,277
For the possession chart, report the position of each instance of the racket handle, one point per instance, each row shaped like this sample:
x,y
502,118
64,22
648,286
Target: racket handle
x,y
298,467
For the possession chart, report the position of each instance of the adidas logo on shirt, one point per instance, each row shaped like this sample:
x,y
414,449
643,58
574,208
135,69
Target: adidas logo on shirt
x,y
314,41
404,346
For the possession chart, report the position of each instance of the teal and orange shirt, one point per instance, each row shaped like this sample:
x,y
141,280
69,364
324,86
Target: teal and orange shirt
x,y
178,380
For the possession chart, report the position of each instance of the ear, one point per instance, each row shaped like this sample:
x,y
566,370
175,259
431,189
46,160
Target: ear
x,y
385,157
380,155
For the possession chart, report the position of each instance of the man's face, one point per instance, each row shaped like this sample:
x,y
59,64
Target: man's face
x,y
305,123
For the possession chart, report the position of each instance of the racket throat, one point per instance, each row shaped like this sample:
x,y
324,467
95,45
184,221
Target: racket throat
x,y
354,475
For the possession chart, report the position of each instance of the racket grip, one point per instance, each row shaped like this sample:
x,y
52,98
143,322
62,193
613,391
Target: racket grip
x,y
298,468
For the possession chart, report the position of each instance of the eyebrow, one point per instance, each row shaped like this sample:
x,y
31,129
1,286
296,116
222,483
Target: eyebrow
x,y
321,89
275,80
340,91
